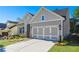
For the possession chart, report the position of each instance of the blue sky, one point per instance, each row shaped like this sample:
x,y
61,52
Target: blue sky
x,y
13,12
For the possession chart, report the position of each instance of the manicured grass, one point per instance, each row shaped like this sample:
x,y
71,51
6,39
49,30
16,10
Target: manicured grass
x,y
64,49
9,41
71,45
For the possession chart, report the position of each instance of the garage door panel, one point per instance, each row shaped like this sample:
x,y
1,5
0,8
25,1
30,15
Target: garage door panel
x,y
40,36
34,32
47,31
47,37
40,33
54,38
54,33
34,36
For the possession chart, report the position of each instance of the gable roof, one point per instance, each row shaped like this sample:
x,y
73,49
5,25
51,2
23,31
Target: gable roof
x,y
31,14
12,22
53,13
61,12
12,26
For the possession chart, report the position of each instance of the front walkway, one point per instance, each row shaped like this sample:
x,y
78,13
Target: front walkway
x,y
33,45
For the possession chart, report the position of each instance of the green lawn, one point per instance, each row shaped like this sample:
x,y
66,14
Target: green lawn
x,y
10,41
64,49
70,46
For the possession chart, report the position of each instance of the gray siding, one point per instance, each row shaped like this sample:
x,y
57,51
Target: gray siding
x,y
48,15
66,25
49,23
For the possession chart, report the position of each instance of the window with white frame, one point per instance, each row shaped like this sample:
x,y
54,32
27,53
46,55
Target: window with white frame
x,y
42,18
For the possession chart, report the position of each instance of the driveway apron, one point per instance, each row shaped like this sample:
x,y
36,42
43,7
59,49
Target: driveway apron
x,y
33,45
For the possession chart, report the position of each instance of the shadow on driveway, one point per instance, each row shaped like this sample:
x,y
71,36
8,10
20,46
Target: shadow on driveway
x,y
2,49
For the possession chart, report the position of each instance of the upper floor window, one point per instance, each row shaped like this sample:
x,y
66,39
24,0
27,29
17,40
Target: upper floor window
x,y
42,18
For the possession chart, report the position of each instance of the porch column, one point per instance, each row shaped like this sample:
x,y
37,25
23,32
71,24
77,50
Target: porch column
x,y
62,30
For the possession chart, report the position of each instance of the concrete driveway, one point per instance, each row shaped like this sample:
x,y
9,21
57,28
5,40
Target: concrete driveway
x,y
32,45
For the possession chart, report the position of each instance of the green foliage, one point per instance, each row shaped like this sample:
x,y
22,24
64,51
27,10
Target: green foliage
x,y
76,12
9,41
67,47
16,37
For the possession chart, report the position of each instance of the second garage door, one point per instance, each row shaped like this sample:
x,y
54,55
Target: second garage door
x,y
46,33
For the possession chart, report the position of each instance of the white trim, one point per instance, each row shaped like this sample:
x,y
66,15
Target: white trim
x,y
46,21
62,30
37,32
53,13
43,32
50,31
48,11
57,31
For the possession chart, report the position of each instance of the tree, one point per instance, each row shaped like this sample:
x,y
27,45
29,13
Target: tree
x,y
76,12
75,17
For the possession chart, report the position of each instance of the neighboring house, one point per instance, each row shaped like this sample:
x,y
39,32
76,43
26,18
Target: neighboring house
x,y
50,25
12,27
13,30
2,27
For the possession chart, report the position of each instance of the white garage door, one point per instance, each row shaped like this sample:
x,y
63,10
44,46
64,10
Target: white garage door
x,y
54,33
40,32
47,33
34,32
51,33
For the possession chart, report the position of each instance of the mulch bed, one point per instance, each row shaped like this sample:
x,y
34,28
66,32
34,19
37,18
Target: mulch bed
x,y
73,40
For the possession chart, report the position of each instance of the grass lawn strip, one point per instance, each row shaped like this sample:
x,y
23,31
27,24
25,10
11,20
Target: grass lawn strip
x,y
64,49
10,41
